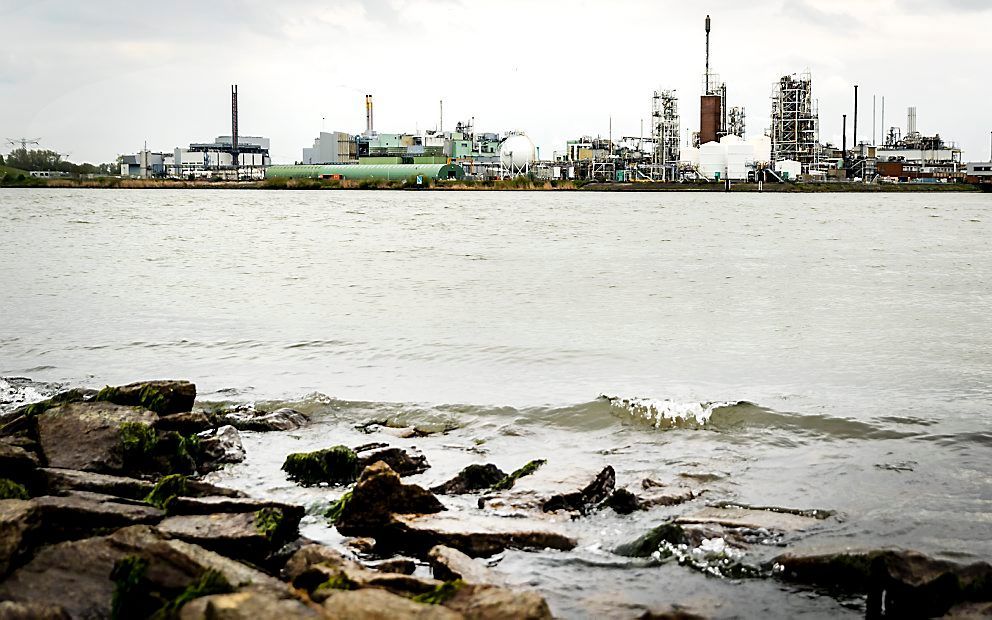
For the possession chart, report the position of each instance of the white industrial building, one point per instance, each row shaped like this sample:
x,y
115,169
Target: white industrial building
x,y
202,160
331,147
730,158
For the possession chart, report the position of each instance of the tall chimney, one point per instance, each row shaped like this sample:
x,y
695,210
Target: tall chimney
x,y
855,116
234,125
707,55
843,147
911,121
368,115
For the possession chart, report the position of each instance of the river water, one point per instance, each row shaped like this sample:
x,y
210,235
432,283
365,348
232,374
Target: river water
x,y
820,351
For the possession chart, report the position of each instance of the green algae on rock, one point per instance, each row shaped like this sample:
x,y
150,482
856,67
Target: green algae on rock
x,y
337,465
441,594
268,521
161,397
528,469
166,490
649,543
12,490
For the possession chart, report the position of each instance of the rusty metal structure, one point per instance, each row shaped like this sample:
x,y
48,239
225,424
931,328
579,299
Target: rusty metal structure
x,y
713,102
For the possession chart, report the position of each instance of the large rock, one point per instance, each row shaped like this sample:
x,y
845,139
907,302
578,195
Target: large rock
x,y
476,536
251,605
57,481
342,465
336,465
589,496
187,422
374,604
378,495
252,536
898,583
534,485
80,513
483,602
399,460
220,446
473,478
247,418
18,526
450,564
100,437
17,463
162,397
77,575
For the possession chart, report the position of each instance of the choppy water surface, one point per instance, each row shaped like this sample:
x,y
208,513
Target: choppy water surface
x,y
812,351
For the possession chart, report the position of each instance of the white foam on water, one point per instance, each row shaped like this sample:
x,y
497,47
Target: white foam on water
x,y
15,392
666,413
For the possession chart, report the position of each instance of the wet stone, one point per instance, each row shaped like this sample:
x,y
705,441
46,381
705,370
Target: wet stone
x,y
162,397
473,478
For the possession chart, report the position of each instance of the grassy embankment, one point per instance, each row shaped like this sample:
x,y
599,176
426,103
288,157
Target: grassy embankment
x,y
10,177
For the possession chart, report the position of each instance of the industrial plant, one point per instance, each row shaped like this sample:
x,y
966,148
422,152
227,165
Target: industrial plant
x,y
788,150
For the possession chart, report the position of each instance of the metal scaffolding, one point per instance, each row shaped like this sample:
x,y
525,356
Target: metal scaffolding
x,y
737,125
666,128
795,130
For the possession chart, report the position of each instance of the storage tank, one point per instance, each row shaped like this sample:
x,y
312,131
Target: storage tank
x,y
789,169
517,152
712,160
709,118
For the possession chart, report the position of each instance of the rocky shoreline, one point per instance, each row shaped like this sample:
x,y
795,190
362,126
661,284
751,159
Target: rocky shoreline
x,y
104,514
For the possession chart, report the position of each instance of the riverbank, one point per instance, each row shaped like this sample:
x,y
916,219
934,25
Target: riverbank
x,y
518,184
111,491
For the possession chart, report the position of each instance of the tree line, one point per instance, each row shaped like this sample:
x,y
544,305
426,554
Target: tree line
x,y
37,160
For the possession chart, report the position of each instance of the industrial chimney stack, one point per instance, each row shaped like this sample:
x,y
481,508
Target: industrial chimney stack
x,y
369,126
234,126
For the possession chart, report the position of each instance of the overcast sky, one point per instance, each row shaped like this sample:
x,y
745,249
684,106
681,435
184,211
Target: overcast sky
x,y
98,78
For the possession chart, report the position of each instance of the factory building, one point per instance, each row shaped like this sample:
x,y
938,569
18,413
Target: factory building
x,y
359,172
335,147
795,128
917,158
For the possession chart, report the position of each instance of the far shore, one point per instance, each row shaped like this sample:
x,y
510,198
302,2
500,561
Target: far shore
x,y
519,184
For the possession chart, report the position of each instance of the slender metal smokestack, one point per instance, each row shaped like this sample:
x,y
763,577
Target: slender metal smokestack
x,y
368,114
707,55
234,125
855,116
843,156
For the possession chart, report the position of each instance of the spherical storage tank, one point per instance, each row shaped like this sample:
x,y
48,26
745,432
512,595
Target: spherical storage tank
x,y
517,152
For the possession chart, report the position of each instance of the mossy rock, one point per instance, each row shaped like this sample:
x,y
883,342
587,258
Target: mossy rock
x,y
648,544
528,469
12,490
269,523
167,489
440,594
336,509
475,477
337,465
135,596
161,397
138,442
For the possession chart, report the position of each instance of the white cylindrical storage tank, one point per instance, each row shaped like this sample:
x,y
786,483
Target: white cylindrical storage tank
x,y
740,157
789,169
690,155
712,160
762,149
517,152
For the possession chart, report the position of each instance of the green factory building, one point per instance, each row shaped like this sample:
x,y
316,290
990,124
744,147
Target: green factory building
x,y
379,172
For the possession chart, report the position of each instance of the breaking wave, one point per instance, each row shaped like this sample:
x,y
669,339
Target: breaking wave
x,y
670,413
